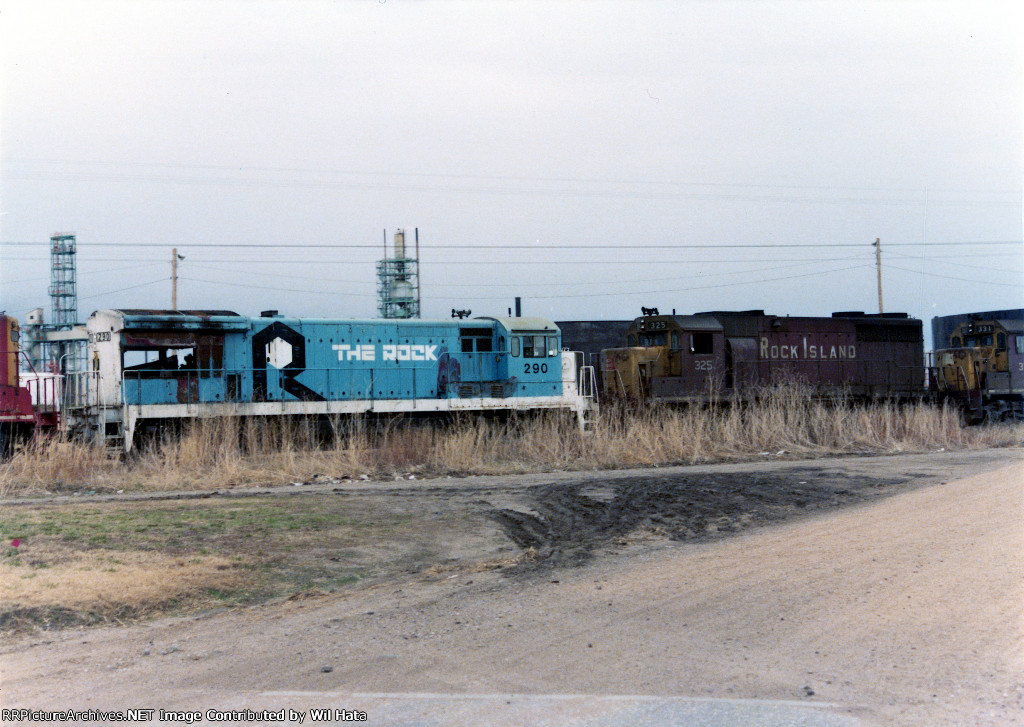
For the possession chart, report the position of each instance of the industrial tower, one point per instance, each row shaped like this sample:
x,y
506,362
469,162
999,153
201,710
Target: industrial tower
x,y
63,286
57,346
398,281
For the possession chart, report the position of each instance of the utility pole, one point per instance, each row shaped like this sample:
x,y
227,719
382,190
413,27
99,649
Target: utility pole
x,y
878,266
175,257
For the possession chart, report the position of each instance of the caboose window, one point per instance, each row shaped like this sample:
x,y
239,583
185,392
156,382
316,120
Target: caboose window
x,y
702,342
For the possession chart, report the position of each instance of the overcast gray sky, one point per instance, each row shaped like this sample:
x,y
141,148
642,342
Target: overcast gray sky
x,y
590,157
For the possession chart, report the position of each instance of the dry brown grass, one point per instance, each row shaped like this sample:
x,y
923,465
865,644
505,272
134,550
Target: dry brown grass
x,y
237,453
61,575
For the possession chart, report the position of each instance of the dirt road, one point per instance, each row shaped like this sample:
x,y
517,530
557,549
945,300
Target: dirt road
x,y
896,610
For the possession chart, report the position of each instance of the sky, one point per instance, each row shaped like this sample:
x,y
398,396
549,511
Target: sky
x,y
589,157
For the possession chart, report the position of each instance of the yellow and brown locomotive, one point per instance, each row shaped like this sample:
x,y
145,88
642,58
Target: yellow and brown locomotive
x,y
734,354
983,369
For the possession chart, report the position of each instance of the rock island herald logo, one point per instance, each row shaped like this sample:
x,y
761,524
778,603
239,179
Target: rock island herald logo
x,y
385,352
806,351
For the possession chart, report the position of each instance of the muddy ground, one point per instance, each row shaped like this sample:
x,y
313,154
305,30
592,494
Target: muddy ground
x,y
567,523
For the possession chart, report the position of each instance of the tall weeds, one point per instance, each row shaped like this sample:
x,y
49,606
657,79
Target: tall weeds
x,y
240,452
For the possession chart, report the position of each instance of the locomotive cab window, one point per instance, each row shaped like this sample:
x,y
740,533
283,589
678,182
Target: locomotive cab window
x,y
158,362
1000,340
675,341
702,342
516,344
475,339
653,339
533,347
955,342
1020,343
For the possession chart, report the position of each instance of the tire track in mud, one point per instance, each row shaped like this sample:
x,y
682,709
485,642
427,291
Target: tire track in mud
x,y
566,524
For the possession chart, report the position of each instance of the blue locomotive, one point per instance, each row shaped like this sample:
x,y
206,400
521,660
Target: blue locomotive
x,y
148,366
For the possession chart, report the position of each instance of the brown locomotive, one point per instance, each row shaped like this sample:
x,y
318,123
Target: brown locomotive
x,y
733,354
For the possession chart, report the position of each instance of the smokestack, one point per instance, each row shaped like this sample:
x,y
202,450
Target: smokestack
x,y
400,244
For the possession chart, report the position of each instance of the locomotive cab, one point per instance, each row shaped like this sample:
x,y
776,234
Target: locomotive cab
x,y
983,370
670,358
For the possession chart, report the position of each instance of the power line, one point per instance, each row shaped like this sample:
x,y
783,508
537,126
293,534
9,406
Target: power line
x,y
534,248
285,290
957,261
85,273
448,263
121,290
495,177
950,277
738,191
545,297
532,284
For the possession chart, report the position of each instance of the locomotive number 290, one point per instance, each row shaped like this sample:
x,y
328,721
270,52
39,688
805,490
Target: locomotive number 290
x,y
536,368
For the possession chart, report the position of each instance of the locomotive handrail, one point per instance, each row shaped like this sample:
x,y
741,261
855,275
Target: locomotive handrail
x,y
39,387
588,382
204,386
81,390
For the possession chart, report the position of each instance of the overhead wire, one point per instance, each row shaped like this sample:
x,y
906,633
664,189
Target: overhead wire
x,y
496,177
532,284
448,262
388,181
121,290
545,297
83,273
951,277
534,248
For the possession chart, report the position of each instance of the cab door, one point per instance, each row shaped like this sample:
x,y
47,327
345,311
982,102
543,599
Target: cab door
x,y
702,362
535,364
